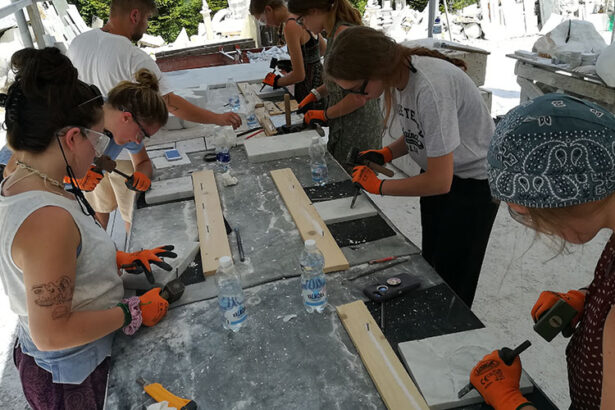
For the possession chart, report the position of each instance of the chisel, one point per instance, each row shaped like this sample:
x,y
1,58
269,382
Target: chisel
x,y
507,356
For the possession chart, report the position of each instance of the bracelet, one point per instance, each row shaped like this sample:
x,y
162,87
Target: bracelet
x,y
380,188
135,314
127,315
316,94
325,114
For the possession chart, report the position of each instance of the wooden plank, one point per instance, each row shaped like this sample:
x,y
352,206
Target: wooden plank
x,y
272,109
309,223
294,105
388,374
574,85
212,233
259,111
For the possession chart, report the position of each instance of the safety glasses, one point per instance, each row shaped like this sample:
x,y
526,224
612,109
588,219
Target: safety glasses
x,y
99,141
360,91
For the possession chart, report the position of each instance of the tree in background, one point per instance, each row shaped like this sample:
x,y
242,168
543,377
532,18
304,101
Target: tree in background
x,y
172,15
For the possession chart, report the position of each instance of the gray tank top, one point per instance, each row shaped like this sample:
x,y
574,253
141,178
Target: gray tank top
x,y
97,284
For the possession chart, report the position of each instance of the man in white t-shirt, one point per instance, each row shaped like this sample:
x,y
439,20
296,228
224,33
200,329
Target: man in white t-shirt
x,y
107,56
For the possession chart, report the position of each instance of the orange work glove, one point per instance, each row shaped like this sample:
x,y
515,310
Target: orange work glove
x,y
137,262
367,178
138,182
89,181
498,383
309,99
315,117
548,299
379,156
153,307
272,80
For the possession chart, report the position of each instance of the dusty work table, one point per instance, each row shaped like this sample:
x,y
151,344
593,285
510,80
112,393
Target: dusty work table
x,y
284,358
278,360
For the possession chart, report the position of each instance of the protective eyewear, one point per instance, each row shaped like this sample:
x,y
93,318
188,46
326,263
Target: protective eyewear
x,y
144,133
99,141
261,20
360,91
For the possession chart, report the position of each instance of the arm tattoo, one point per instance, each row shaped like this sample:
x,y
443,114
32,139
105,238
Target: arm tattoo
x,y
170,107
51,294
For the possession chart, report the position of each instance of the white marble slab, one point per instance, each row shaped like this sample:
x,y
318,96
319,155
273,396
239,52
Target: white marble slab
x,y
261,149
162,162
441,365
186,252
338,210
169,190
193,145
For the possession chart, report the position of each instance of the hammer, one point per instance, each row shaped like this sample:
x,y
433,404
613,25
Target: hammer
x,y
107,164
353,160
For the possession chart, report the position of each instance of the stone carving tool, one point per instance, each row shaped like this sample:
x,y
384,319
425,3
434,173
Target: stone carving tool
x,y
242,256
353,160
159,394
556,319
173,290
105,163
507,355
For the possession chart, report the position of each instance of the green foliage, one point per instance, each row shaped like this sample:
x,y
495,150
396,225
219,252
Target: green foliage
x,y
360,5
89,8
455,5
172,15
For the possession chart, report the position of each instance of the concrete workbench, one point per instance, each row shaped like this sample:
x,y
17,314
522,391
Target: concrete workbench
x,y
284,358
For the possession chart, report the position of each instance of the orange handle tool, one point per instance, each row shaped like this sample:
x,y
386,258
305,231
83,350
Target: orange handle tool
x,y
159,394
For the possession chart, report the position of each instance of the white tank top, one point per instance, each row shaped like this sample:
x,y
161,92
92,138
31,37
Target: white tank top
x,y
97,284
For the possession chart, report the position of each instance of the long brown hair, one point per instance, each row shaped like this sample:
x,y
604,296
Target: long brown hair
x,y
141,98
343,9
361,53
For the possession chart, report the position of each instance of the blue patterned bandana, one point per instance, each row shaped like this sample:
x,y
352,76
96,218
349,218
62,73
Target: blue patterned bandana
x,y
553,151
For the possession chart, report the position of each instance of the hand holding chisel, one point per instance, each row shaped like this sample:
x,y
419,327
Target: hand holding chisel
x,y
138,181
496,377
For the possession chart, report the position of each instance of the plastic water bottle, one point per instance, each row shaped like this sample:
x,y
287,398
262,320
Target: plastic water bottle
x,y
223,156
233,99
313,282
251,120
437,27
318,164
230,295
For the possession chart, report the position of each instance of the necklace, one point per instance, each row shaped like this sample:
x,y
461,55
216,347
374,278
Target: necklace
x,y
38,173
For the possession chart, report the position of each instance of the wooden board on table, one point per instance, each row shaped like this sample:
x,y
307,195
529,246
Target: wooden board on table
x,y
212,232
387,372
294,105
260,111
273,109
309,223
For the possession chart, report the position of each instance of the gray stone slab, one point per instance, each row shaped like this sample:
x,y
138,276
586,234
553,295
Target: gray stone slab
x,y
261,149
186,252
339,210
441,365
169,190
382,248
166,224
308,361
192,145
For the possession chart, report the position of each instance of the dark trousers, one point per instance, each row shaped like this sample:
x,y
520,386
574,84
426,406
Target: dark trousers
x,y
456,228
43,394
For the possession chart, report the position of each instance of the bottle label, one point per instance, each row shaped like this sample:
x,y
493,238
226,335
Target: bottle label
x,y
314,291
319,172
233,310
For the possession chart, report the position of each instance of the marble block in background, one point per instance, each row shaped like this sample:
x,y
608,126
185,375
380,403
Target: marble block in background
x,y
338,210
169,190
440,366
261,149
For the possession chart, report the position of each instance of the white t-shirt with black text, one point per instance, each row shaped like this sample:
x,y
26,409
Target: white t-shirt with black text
x,y
105,59
441,111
